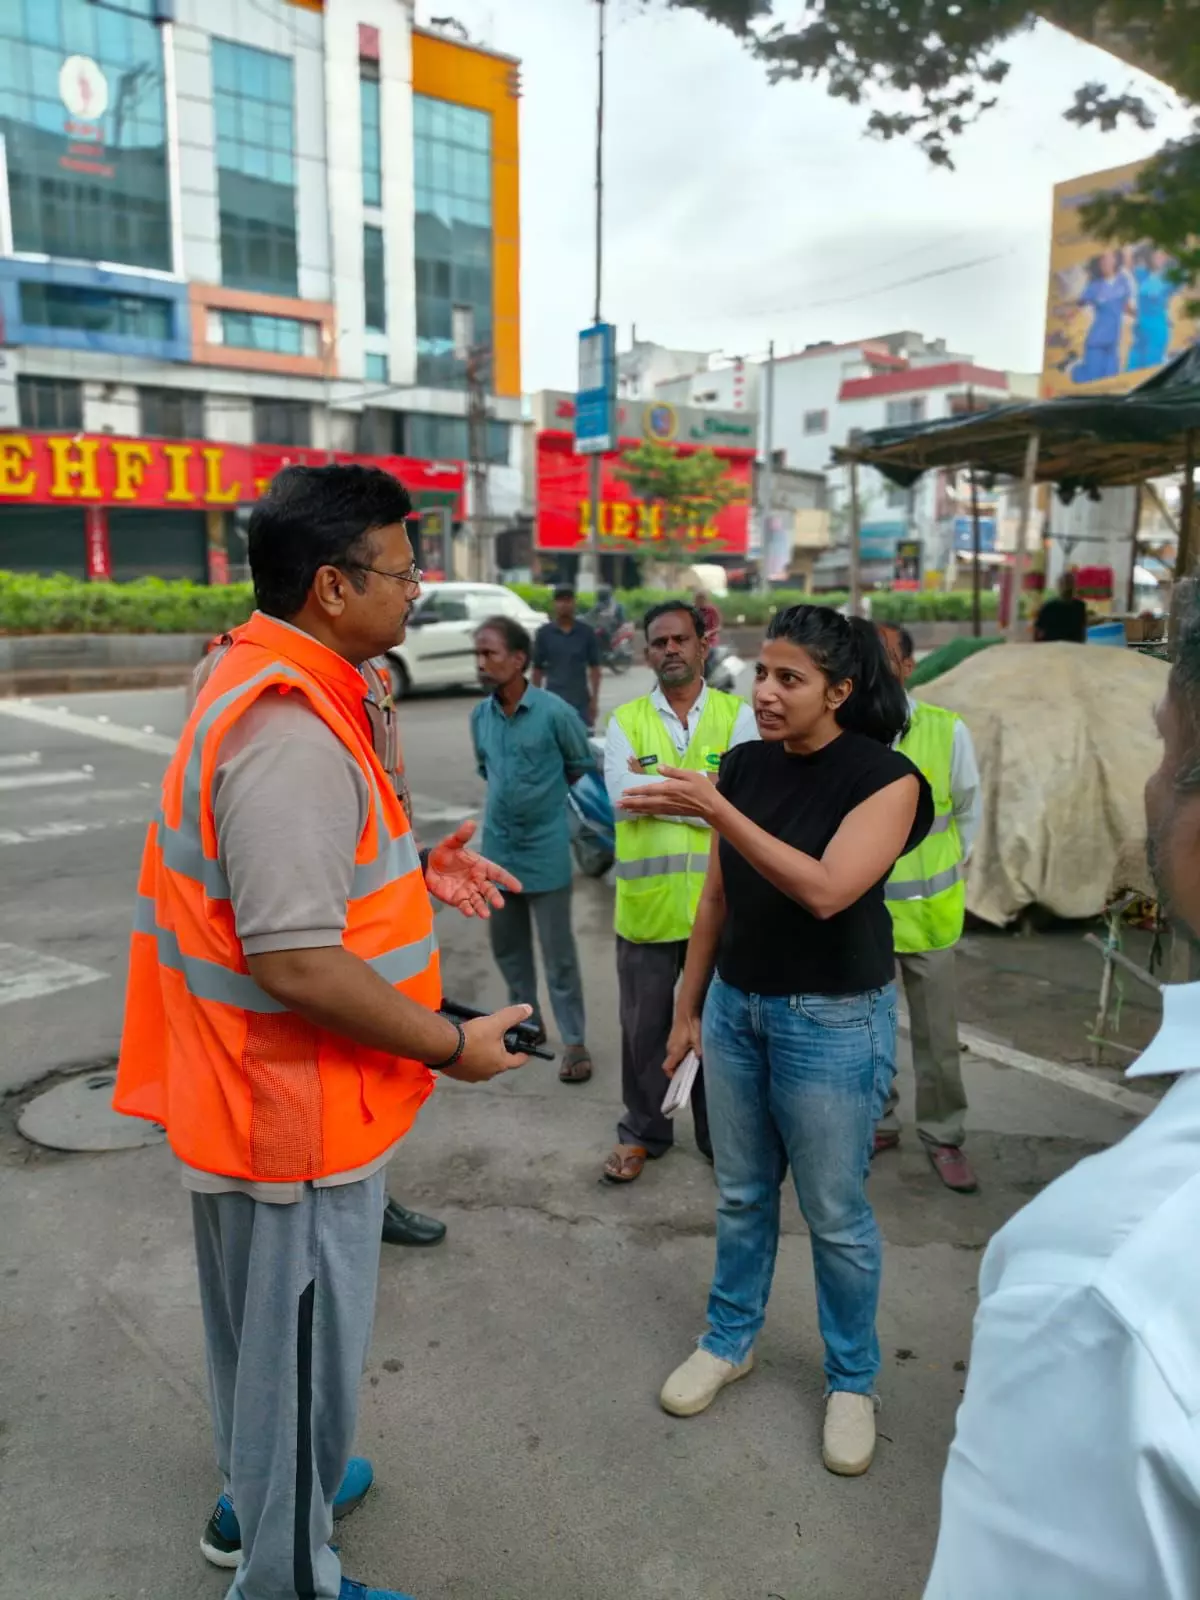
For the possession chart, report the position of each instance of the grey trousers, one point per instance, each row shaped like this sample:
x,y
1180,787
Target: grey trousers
x,y
288,1297
930,990
511,933
646,979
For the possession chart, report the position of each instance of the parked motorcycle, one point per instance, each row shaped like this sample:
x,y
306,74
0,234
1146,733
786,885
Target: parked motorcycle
x,y
590,816
616,648
722,669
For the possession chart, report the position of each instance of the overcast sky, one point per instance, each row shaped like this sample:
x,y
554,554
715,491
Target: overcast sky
x,y
737,212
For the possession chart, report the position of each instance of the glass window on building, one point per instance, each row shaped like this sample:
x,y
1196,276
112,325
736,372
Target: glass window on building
x,y
452,153
251,330
102,311
372,141
376,368
171,414
253,106
82,115
902,413
50,403
282,422
430,437
374,285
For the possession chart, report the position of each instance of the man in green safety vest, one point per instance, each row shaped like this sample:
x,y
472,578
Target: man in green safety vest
x,y
661,863
927,897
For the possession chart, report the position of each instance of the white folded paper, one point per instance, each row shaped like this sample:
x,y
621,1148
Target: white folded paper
x,y
679,1091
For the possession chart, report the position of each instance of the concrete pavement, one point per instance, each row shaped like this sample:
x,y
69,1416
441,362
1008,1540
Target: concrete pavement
x,y
510,1399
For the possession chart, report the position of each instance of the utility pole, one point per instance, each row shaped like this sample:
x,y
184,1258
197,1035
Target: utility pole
x,y
855,544
477,360
477,454
596,463
766,480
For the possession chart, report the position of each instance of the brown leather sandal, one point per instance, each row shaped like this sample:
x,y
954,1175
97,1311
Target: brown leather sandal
x,y
625,1163
576,1065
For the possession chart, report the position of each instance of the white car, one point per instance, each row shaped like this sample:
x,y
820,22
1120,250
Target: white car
x,y
439,646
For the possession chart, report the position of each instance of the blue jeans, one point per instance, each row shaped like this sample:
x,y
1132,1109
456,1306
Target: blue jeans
x,y
797,1079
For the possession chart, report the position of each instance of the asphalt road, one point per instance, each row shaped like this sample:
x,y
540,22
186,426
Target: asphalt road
x,y
510,1399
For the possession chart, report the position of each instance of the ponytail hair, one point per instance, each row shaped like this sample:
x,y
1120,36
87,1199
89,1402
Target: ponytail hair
x,y
849,647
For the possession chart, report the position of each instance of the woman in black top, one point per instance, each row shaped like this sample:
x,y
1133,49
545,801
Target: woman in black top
x,y
799,1024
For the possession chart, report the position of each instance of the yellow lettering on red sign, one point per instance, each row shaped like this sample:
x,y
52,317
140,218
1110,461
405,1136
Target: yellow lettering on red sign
x,y
74,460
620,520
649,522
15,455
178,459
130,460
212,479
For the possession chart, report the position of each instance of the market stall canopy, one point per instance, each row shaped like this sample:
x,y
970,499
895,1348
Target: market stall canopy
x,y
1083,443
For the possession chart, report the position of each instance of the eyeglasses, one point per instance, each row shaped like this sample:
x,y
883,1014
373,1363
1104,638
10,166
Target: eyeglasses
x,y
411,575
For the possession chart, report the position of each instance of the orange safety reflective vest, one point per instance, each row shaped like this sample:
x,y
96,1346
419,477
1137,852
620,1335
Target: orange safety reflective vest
x,y
244,1087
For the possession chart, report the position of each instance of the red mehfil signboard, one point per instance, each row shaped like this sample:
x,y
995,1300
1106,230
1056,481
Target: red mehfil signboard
x,y
564,506
174,474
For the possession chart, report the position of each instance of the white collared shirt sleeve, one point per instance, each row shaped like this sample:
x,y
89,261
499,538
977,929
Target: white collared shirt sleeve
x,y
966,795
617,753
1075,1470
745,728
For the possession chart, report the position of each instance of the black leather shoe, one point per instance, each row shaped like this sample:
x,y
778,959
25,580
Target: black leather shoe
x,y
402,1226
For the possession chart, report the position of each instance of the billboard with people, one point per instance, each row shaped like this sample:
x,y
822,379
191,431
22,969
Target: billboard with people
x,y
1115,312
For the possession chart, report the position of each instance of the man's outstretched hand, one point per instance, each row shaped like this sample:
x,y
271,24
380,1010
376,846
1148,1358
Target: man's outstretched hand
x,y
463,878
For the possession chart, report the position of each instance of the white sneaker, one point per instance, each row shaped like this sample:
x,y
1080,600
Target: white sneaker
x,y
694,1386
848,1446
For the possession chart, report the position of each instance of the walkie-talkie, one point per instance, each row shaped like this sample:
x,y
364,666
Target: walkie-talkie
x,y
519,1041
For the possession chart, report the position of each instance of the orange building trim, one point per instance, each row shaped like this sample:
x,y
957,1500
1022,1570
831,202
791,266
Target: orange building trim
x,y
206,297
465,75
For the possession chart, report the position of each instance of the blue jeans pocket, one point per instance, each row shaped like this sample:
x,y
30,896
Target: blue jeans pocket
x,y
835,1010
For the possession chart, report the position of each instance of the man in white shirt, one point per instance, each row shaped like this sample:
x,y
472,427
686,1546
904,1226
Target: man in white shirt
x,y
661,864
1075,1469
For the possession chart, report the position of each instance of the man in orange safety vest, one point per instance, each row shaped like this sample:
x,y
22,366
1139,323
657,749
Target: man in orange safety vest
x,y
282,1017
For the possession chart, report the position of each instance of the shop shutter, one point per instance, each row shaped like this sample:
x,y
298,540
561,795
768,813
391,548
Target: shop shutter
x,y
158,544
43,539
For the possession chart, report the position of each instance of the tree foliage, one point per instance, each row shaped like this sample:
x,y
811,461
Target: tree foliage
x,y
927,69
686,491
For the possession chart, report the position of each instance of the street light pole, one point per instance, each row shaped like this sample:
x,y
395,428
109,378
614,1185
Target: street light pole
x,y
596,463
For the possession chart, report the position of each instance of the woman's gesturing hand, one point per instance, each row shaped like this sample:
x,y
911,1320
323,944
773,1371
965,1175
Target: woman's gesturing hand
x,y
685,1036
680,794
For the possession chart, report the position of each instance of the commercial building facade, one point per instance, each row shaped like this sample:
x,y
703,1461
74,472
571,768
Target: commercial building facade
x,y
235,233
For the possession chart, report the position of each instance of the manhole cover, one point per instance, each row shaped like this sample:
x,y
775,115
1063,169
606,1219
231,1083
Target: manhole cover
x,y
78,1115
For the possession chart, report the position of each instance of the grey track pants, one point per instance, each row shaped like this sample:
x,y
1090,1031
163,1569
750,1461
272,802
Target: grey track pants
x,y
932,996
288,1296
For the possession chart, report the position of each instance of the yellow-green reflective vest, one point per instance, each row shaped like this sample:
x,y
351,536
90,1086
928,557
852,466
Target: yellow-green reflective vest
x,y
661,865
926,893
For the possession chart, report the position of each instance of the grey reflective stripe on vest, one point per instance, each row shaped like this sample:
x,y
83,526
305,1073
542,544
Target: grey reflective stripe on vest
x,y
661,866
208,980
925,888
183,851
941,824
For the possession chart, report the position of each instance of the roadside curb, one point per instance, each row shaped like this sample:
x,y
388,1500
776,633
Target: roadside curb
x,y
978,1044
91,680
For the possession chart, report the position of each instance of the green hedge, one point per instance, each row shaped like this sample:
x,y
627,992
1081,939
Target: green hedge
x,y
31,604
756,610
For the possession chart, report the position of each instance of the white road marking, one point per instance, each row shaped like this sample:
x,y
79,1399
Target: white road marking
x,y
28,974
40,832
71,722
33,759
42,780
427,810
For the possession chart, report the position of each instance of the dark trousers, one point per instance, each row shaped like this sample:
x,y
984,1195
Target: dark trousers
x,y
646,978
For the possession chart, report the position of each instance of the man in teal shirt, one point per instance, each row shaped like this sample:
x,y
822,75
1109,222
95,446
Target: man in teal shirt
x,y
530,746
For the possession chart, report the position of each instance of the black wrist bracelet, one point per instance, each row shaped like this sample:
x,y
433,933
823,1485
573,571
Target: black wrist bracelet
x,y
423,858
451,1061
